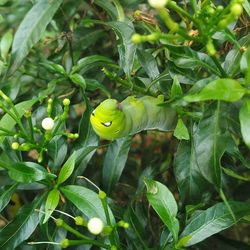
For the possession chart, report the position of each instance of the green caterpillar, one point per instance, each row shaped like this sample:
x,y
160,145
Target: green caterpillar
x,y
112,120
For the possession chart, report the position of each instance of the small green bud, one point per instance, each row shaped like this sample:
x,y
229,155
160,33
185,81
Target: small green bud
x,y
126,225
210,48
123,224
157,4
223,23
136,38
50,101
102,195
219,8
15,145
76,136
66,102
153,37
64,243
113,247
236,9
27,113
59,222
107,230
25,146
79,221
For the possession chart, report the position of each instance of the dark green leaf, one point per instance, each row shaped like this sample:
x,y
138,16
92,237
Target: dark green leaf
x,y
86,200
51,203
213,220
114,162
78,80
67,169
185,57
31,29
124,30
90,62
6,196
245,121
21,227
163,202
245,65
221,89
191,184
211,141
28,172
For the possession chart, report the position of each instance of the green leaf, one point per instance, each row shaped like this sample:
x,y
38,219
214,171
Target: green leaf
x,y
149,64
5,44
114,162
185,57
67,169
181,131
163,202
221,89
51,203
213,220
23,225
211,141
86,200
7,121
124,30
78,79
28,172
245,121
191,183
93,85
233,174
89,62
233,58
176,89
31,29
245,65
6,196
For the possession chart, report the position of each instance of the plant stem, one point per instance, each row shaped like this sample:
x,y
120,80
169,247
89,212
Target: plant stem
x,y
90,241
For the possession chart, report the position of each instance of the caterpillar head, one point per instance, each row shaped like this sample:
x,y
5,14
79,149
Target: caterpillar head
x,y
108,119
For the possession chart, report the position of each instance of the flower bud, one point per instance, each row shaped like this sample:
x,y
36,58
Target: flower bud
x,y
15,145
48,123
80,221
64,243
136,38
66,102
236,9
95,225
157,4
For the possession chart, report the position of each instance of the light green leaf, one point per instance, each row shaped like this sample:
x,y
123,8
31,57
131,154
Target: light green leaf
x,y
5,44
213,220
181,131
245,65
51,203
163,202
78,79
67,169
114,162
176,89
221,89
31,29
245,121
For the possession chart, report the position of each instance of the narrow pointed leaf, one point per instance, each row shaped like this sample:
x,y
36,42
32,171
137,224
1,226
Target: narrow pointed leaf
x,y
51,203
245,121
67,169
21,227
164,204
114,162
31,29
213,220
6,196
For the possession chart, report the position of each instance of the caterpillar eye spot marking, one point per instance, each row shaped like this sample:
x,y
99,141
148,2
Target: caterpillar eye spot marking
x,y
93,113
106,124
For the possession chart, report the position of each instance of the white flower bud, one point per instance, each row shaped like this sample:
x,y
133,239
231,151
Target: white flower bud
x,y
157,4
48,123
95,225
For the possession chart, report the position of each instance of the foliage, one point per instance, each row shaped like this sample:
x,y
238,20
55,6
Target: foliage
x,y
184,189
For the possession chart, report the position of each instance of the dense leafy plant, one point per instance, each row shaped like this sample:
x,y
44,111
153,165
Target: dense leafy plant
x,y
61,186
